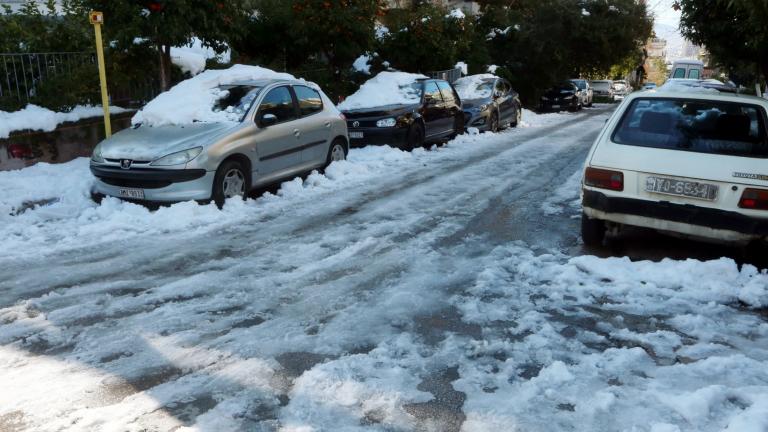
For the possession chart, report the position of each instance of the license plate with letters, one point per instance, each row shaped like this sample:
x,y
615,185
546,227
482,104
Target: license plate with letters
x,y
131,193
691,189
356,135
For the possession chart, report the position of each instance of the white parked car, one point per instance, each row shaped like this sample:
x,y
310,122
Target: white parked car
x,y
691,162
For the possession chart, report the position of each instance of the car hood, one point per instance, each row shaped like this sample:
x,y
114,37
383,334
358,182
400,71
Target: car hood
x,y
474,103
147,143
382,111
559,93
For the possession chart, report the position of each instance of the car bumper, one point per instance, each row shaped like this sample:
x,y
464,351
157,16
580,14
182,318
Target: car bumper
x,y
158,185
478,120
686,219
550,105
394,136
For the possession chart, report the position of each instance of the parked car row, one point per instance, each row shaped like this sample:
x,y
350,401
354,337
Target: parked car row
x,y
576,94
286,127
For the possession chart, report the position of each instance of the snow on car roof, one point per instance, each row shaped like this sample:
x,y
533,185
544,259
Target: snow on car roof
x,y
469,88
193,100
386,88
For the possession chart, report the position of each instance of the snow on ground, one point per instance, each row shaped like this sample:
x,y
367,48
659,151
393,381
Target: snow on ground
x,y
373,307
34,117
386,88
193,99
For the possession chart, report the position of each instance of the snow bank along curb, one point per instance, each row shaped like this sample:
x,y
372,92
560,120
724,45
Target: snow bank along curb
x,y
34,117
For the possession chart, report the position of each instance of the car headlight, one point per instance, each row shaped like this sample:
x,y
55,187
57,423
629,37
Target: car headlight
x,y
178,158
569,97
96,156
544,98
387,122
483,107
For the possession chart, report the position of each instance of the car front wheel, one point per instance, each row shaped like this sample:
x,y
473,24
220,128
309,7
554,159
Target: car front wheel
x,y
592,231
337,152
231,180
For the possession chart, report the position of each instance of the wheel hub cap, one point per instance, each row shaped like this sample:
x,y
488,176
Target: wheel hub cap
x,y
234,183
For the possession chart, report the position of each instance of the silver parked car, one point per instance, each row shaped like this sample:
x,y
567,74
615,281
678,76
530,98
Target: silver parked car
x,y
286,128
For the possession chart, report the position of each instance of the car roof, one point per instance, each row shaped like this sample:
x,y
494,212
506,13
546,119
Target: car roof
x,y
266,81
660,93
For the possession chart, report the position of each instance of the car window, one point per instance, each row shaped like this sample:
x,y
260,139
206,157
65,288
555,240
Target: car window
x,y
278,102
309,100
446,91
679,73
701,126
236,100
432,92
693,74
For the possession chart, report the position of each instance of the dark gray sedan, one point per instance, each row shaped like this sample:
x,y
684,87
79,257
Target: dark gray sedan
x,y
488,102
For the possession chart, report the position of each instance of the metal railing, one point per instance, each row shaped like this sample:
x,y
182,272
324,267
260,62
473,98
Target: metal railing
x,y
450,75
22,73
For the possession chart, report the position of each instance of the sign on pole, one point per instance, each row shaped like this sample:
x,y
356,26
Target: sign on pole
x,y
97,19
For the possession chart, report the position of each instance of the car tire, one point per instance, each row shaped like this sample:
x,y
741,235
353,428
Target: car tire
x,y
592,231
415,137
494,123
338,151
231,179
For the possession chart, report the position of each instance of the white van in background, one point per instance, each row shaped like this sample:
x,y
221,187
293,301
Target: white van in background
x,y
692,69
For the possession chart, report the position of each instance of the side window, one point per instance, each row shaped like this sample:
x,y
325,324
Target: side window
x,y
446,91
501,88
679,73
432,93
693,73
278,102
309,100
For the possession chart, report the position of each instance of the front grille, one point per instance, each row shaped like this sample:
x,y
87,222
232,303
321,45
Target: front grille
x,y
136,183
133,162
362,123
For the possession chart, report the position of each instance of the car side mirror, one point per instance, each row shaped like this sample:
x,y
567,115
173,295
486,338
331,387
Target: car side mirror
x,y
267,120
497,94
430,101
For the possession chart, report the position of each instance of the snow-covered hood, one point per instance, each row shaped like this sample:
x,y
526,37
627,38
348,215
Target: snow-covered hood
x,y
147,143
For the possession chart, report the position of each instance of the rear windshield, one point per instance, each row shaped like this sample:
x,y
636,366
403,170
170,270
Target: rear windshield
x,y
700,126
601,85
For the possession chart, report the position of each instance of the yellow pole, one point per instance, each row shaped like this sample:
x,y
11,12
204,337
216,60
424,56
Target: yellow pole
x,y
97,19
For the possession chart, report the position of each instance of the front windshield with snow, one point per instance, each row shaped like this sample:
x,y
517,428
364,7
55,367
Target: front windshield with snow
x,y
236,100
474,89
700,126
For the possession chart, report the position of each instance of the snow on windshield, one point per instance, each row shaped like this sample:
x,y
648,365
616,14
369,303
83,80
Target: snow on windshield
x,y
386,88
475,86
194,99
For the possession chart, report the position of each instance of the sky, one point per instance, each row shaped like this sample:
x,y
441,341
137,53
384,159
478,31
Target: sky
x,y
662,10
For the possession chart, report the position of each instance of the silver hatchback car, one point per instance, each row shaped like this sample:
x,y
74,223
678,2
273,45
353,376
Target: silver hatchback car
x,y
285,128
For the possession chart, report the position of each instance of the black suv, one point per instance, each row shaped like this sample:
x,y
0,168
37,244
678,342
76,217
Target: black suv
x,y
437,117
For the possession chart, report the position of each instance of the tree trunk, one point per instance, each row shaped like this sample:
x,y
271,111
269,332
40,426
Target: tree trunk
x,y
164,52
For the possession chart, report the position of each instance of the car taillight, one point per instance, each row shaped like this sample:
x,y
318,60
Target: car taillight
x,y
604,179
754,199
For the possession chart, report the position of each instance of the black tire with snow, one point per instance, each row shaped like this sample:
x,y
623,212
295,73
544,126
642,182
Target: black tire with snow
x,y
228,171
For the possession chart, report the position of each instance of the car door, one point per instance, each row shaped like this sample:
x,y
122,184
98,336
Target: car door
x,y
451,105
314,125
504,101
278,145
434,111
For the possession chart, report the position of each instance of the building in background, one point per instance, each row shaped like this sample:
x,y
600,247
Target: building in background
x,y
657,48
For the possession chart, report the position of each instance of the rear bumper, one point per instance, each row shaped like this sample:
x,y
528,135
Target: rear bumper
x,y
684,219
159,185
394,136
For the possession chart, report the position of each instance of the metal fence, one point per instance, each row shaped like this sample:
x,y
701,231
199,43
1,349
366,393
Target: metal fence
x,y
22,73
450,75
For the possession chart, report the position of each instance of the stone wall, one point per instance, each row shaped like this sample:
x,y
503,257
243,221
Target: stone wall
x,y
69,141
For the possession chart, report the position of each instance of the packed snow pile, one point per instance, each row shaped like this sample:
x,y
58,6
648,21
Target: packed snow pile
x,y
463,66
34,117
191,58
362,64
456,14
193,100
386,88
475,86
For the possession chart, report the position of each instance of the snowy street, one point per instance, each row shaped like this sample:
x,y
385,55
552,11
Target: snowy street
x,y
440,290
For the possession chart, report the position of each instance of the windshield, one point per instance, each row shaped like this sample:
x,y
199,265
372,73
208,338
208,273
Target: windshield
x,y
563,87
701,126
581,84
236,100
601,85
474,89
413,90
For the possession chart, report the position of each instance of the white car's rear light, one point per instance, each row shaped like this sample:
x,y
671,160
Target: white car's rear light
x,y
754,199
604,179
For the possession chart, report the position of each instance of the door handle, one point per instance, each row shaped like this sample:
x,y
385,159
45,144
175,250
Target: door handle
x,y
296,133
328,124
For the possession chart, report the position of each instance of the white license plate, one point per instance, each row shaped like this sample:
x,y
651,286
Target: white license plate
x,y
131,193
691,189
356,135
